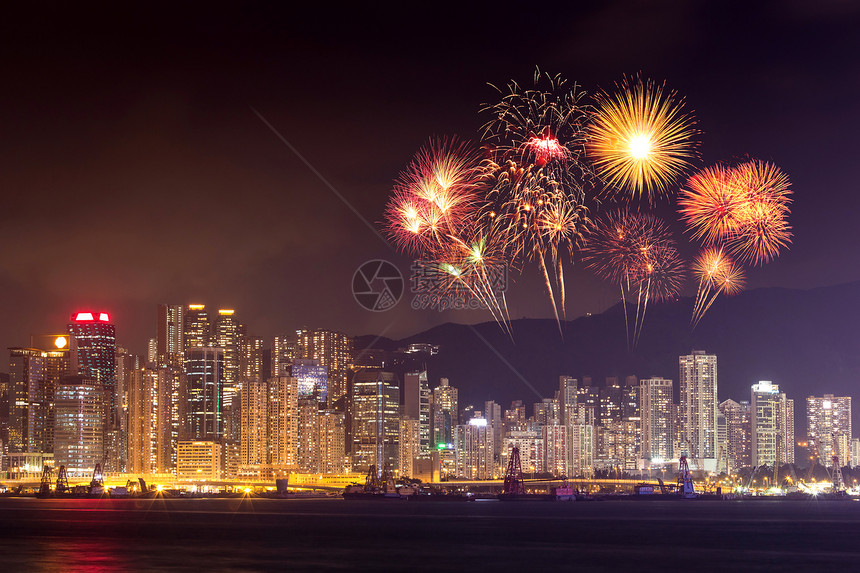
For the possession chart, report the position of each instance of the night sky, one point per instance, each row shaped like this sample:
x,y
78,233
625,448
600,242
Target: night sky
x,y
135,171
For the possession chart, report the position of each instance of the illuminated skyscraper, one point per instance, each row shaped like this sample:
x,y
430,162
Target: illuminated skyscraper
x,y
410,445
251,359
79,424
334,351
332,442
474,442
254,423
698,408
34,374
204,374
416,405
170,341
142,420
375,421
93,355
828,420
771,424
556,449
228,333
656,422
444,409
197,327
285,349
567,394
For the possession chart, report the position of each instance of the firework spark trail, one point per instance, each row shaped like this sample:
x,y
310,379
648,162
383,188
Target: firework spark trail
x,y
640,138
717,273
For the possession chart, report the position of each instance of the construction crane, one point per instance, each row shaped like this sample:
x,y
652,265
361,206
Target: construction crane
x,y
838,486
685,479
514,475
97,484
45,486
752,476
62,482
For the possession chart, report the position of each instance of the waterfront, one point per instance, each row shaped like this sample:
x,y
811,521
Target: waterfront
x,y
253,534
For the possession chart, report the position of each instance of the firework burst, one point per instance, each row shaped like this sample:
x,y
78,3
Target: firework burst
x,y
637,253
640,138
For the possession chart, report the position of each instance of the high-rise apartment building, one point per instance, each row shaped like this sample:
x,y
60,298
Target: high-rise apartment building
x,y
410,445
375,421
828,421
738,433
771,425
567,397
308,460
334,351
204,379
445,413
285,350
475,449
283,425
142,397
253,441
556,449
698,408
332,442
656,423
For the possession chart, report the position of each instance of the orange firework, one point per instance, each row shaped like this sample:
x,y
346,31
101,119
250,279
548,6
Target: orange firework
x,y
712,202
640,139
717,274
763,228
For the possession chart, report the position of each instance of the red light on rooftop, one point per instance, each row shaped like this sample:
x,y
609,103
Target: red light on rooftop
x,y
90,317
104,317
83,316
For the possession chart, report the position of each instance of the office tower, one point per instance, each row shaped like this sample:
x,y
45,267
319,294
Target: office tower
x,y
196,330
772,433
228,333
532,451
475,449
416,405
332,442
142,420
738,433
410,445
445,413
251,359
199,460
555,440
334,351
828,420
285,349
93,348
698,408
79,419
308,458
547,411
283,422
656,423
253,439
170,331
33,377
567,394
312,378
204,379
375,420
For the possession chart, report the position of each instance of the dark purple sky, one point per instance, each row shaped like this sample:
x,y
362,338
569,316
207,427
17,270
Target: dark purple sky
x,y
134,170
